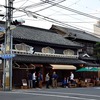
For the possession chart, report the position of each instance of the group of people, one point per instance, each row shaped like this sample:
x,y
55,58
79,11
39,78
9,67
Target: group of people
x,y
68,80
37,79
54,78
34,79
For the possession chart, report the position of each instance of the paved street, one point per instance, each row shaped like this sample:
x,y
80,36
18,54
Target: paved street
x,y
52,94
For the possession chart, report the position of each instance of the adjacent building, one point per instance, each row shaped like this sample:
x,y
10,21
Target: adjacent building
x,y
85,39
97,28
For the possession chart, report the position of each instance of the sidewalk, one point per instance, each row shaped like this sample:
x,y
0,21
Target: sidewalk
x,y
34,89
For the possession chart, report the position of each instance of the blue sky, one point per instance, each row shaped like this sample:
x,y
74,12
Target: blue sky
x,y
87,6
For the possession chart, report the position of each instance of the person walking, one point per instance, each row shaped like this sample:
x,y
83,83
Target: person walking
x,y
47,79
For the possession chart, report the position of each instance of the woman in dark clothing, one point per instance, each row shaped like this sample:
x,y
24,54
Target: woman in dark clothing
x,y
30,81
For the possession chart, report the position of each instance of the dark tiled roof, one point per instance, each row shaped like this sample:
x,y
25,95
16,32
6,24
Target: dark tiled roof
x,y
78,34
87,58
40,35
44,59
88,64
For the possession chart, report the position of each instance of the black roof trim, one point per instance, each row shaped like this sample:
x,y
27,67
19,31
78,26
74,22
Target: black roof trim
x,y
44,59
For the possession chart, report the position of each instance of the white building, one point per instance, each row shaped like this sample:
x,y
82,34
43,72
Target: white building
x,y
97,28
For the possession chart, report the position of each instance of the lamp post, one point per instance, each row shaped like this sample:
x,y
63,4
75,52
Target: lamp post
x,y
7,68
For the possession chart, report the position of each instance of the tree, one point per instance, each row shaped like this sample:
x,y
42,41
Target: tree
x,y
97,50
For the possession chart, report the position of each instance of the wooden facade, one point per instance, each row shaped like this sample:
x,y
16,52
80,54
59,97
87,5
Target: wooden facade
x,y
86,40
36,49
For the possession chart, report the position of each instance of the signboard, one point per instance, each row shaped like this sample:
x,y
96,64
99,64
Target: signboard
x,y
7,56
2,29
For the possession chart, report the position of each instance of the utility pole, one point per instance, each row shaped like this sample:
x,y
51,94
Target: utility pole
x,y
7,68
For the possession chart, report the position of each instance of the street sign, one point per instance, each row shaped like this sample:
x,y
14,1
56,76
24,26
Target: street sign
x,y
2,29
7,56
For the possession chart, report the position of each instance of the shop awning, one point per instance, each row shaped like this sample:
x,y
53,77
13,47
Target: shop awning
x,y
63,67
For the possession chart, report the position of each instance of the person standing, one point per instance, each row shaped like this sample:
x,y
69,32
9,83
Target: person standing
x,y
54,80
40,79
47,79
64,82
30,82
71,77
34,79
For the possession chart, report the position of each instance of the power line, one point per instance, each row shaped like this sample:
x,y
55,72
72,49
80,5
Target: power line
x,y
73,18
78,22
48,19
74,3
22,4
19,1
34,5
50,6
73,10
58,22
53,5
72,14
68,6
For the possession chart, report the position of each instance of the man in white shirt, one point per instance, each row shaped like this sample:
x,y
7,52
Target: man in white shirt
x,y
71,77
34,79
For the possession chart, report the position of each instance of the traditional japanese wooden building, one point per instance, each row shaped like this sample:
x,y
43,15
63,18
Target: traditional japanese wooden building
x,y
85,39
40,50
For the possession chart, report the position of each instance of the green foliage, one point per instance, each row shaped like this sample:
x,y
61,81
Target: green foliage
x,y
97,50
